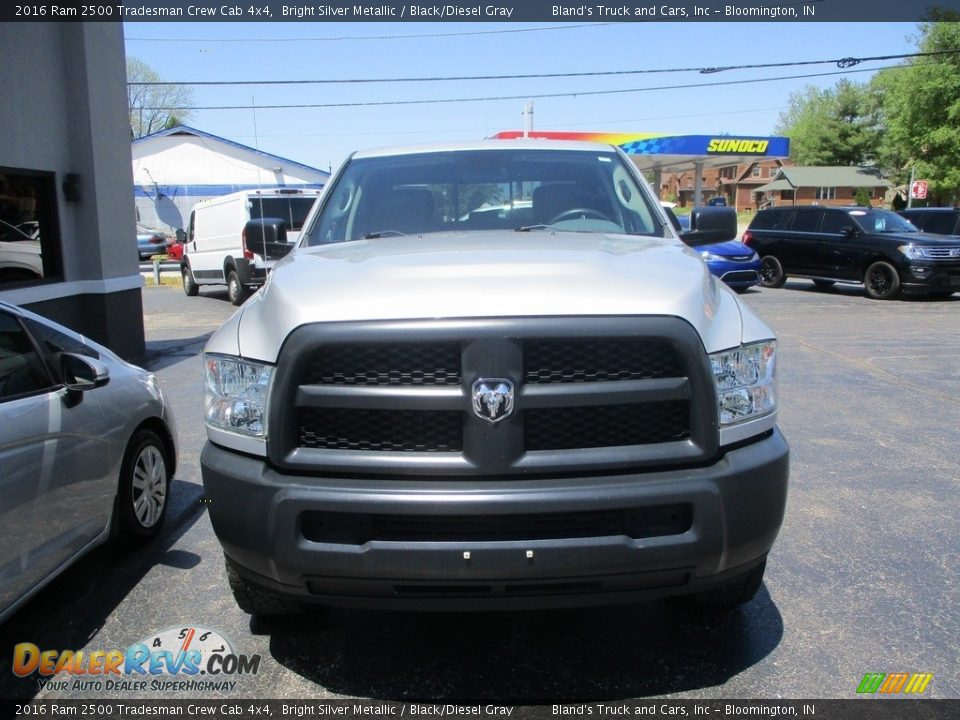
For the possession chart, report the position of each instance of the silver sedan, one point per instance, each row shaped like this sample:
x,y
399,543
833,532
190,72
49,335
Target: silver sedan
x,y
87,452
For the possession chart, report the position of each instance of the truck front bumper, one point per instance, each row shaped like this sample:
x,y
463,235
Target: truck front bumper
x,y
503,543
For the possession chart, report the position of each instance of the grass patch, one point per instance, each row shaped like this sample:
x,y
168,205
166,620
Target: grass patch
x,y
166,280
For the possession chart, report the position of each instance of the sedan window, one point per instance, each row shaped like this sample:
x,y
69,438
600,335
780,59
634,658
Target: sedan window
x,y
21,370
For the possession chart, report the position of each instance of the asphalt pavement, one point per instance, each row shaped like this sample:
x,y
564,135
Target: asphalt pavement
x,y
863,578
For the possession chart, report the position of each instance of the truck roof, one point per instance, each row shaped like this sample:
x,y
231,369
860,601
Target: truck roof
x,y
520,144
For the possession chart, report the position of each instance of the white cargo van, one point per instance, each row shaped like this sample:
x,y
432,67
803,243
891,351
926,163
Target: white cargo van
x,y
217,251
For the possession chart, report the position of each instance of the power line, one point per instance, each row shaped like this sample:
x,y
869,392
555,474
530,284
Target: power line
x,y
842,63
373,37
585,93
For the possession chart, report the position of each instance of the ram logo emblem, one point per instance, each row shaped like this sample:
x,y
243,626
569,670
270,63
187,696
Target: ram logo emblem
x,y
493,399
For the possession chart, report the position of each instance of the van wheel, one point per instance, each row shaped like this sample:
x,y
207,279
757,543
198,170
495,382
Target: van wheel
x,y
236,290
771,272
881,281
256,600
144,486
190,286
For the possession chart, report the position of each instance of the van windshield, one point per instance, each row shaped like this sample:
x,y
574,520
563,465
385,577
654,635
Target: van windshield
x,y
293,210
525,189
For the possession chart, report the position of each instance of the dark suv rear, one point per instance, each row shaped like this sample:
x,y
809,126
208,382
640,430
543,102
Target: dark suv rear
x,y
940,220
853,245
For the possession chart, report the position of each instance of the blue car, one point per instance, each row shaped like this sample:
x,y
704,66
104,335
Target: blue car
x,y
734,263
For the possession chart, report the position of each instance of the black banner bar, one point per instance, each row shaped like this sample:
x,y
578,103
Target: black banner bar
x,y
469,11
248,709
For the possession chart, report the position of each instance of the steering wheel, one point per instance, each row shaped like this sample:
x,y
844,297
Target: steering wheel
x,y
576,213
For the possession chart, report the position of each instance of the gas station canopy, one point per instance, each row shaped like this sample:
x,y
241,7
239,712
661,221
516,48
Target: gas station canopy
x,y
655,152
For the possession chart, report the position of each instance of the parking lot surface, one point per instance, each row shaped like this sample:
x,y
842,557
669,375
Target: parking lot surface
x,y
863,578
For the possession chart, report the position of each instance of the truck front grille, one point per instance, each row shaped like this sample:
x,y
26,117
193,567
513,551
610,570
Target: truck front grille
x,y
588,394
406,364
552,361
380,430
606,425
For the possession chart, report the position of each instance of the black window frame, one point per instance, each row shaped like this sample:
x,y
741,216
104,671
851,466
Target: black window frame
x,y
51,244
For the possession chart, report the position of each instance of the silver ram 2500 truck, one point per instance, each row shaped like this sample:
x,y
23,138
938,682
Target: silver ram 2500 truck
x,y
492,376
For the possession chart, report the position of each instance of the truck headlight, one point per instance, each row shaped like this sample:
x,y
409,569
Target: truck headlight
x,y
746,381
912,252
236,394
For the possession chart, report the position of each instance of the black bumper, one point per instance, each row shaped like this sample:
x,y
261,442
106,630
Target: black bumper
x,y
920,278
456,544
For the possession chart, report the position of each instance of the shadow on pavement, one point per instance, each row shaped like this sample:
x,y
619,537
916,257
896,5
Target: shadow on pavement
x,y
570,655
88,591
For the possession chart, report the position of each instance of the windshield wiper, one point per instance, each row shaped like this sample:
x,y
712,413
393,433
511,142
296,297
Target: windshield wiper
x,y
528,228
382,234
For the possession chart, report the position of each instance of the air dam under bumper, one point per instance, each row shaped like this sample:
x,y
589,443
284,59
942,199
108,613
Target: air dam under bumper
x,y
487,544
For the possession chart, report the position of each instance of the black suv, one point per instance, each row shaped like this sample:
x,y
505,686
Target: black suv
x,y
939,220
878,248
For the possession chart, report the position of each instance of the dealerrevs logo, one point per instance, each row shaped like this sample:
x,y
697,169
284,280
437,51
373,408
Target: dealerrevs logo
x,y
152,663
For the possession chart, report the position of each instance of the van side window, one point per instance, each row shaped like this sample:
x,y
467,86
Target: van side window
x,y
190,234
777,219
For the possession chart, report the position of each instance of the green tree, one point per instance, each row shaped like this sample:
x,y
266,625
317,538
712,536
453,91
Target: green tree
x,y
921,110
154,107
832,126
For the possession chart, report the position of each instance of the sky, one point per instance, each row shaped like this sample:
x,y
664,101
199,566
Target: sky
x,y
324,137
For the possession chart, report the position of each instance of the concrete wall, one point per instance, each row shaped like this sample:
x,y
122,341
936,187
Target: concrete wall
x,y
64,111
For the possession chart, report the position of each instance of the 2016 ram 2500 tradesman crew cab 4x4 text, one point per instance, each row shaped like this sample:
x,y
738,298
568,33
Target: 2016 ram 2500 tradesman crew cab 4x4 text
x,y
492,376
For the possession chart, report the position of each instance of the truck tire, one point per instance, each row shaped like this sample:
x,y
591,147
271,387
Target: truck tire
x,y
881,281
771,272
256,600
236,290
190,287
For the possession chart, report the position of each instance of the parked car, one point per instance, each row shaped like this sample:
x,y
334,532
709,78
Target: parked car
x,y
421,413
20,253
732,261
87,452
875,247
939,220
150,242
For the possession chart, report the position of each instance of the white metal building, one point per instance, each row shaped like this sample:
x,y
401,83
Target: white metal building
x,y
175,169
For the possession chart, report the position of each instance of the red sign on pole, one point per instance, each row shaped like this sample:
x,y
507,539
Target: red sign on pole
x,y
918,189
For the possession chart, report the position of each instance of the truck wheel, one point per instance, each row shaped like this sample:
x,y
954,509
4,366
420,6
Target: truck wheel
x,y
236,290
144,491
726,597
190,286
881,281
771,272
256,600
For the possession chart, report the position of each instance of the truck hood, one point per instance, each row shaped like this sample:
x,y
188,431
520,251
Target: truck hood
x,y
486,274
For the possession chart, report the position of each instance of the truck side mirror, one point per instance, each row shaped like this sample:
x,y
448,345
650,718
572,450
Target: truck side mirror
x,y
712,224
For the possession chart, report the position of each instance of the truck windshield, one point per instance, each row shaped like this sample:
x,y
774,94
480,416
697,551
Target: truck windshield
x,y
481,190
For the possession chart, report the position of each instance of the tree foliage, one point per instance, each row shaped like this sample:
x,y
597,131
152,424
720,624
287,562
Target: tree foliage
x,y
832,126
154,107
921,111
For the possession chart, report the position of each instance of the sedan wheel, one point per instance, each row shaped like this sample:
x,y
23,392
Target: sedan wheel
x,y
881,281
771,272
144,486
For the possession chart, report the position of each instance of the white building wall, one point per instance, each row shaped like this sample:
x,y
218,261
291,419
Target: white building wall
x,y
173,173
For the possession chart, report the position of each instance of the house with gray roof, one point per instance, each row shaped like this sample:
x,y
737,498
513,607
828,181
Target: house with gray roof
x,y
822,185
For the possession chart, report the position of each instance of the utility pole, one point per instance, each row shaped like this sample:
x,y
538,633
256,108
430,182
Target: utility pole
x,y
527,119
910,188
